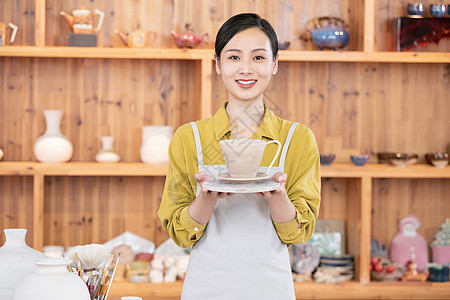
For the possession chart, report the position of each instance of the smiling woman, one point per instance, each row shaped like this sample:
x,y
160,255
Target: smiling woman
x,y
239,241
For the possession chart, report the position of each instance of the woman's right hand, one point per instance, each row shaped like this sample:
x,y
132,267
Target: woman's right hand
x,y
201,177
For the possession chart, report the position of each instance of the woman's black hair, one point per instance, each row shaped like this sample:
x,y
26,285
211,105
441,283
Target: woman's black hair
x,y
241,22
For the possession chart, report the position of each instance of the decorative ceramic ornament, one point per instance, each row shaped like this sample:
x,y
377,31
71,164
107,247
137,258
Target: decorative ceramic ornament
x,y
107,154
441,245
53,147
408,246
155,144
52,281
16,262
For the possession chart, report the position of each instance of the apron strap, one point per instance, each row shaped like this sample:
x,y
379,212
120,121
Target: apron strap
x,y
286,144
198,144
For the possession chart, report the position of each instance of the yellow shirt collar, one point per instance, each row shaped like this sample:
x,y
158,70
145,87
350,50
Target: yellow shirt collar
x,y
222,125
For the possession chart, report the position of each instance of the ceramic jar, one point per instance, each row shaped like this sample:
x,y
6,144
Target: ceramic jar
x,y
16,262
155,144
52,281
107,154
53,147
1,154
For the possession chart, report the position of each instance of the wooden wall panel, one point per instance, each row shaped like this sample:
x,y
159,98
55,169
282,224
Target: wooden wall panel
x,y
205,16
363,107
20,13
80,210
98,96
394,199
388,10
16,205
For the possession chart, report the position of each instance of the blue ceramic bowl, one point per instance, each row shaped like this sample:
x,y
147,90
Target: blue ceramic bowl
x,y
359,160
437,10
327,159
415,9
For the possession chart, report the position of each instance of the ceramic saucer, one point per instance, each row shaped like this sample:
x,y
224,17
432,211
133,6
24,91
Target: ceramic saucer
x,y
259,176
224,186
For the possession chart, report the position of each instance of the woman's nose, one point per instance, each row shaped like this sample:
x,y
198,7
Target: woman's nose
x,y
246,67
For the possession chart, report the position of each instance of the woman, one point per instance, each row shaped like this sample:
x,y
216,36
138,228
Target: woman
x,y
239,241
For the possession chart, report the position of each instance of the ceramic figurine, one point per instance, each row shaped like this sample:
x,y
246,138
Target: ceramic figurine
x,y
441,245
413,275
189,39
408,245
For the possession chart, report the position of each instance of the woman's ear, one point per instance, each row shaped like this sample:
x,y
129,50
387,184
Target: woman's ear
x,y
217,60
275,66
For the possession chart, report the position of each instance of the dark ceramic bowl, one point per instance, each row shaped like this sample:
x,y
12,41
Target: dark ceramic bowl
x,y
359,160
404,159
437,159
327,159
385,157
415,9
283,45
437,10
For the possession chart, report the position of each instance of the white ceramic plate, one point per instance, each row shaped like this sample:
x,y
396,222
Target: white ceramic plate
x,y
223,186
259,176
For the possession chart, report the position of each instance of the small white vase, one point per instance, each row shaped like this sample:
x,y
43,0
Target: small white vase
x,y
16,262
1,154
155,144
53,147
52,281
107,154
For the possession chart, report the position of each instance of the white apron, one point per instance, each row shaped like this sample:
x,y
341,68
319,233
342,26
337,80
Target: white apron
x,y
240,255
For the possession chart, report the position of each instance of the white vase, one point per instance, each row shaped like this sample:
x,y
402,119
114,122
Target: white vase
x,y
155,144
107,154
52,281
53,147
16,262
1,154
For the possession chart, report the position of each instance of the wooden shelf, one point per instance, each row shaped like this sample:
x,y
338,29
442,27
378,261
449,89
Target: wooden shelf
x,y
198,54
337,170
344,290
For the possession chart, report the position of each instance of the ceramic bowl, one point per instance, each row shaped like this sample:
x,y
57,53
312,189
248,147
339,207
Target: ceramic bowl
x,y
437,10
359,160
415,9
404,159
437,159
327,159
283,45
385,157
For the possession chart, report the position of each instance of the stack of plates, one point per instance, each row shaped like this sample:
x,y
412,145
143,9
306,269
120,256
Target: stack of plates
x,y
335,268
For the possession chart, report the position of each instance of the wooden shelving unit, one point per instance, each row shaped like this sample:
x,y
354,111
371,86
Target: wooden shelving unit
x,y
115,90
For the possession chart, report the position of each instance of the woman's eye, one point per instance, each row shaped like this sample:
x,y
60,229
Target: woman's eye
x,y
259,57
234,57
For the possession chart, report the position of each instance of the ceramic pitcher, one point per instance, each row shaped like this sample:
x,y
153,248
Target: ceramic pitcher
x,y
107,154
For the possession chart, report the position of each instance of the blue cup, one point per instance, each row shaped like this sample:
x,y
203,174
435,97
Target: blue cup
x,y
415,9
437,10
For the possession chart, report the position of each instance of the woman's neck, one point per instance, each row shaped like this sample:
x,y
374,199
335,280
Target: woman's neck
x,y
245,117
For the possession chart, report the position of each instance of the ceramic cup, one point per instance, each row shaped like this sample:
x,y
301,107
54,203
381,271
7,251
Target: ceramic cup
x,y
415,9
243,156
437,10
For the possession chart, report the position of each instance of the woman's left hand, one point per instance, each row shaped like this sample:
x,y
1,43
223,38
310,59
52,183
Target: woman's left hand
x,y
279,177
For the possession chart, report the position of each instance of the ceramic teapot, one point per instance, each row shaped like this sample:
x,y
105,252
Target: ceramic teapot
x,y
188,39
137,38
3,28
82,20
329,33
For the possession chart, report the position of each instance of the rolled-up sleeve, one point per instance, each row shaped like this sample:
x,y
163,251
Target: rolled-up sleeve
x,y
179,192
302,186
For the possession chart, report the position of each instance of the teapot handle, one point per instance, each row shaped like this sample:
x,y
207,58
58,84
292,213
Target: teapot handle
x,y
13,35
100,21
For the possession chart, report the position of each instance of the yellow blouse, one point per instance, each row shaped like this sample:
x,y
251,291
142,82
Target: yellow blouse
x,y
302,167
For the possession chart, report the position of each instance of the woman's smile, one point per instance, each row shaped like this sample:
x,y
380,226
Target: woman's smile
x,y
246,83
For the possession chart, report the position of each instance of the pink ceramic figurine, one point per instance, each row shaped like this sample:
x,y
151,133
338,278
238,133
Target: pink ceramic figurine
x,y
408,245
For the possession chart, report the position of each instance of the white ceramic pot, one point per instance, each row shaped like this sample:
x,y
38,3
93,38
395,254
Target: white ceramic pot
x,y
52,281
107,154
155,144
53,147
16,262
1,154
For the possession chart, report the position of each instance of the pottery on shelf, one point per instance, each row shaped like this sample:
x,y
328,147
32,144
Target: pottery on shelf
x,y
359,160
327,159
188,38
155,144
385,157
329,33
16,262
437,10
1,154
415,9
403,160
107,154
53,147
52,281
440,247
437,159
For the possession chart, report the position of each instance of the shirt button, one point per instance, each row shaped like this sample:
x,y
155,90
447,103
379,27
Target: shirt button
x,y
195,229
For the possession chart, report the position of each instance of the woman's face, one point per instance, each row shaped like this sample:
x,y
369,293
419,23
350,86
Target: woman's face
x,y
247,65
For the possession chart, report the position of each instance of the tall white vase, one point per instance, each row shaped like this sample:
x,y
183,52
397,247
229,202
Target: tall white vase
x,y
16,262
52,281
53,147
107,154
155,144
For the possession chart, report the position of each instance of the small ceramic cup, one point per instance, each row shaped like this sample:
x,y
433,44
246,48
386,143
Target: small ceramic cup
x,y
437,10
415,9
327,159
359,160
